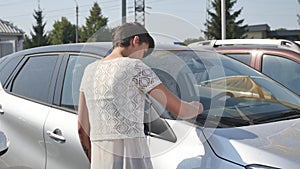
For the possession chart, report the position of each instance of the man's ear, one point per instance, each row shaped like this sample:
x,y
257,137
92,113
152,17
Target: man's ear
x,y
135,40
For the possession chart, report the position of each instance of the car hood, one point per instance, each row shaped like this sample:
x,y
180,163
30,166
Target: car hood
x,y
274,144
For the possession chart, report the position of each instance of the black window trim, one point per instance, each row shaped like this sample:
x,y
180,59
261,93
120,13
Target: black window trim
x,y
61,76
18,62
52,84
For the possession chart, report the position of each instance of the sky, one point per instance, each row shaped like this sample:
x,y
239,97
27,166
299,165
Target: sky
x,y
170,19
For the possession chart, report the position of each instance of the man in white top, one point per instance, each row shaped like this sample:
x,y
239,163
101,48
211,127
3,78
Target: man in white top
x,y
112,98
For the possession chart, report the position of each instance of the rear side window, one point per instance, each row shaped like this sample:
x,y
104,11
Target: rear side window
x,y
7,65
283,70
34,79
243,57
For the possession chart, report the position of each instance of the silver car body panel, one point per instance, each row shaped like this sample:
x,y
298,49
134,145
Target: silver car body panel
x,y
26,150
165,154
60,154
273,144
190,151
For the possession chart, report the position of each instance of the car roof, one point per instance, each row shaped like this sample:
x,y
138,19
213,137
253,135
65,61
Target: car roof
x,y
249,47
248,44
96,48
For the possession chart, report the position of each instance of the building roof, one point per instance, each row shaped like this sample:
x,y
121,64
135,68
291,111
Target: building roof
x,y
9,29
260,27
285,32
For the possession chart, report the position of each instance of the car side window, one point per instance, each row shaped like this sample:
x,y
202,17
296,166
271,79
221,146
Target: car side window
x,y
243,57
283,70
7,66
34,79
74,72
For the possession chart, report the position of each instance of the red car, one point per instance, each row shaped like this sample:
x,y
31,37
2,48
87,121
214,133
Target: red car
x,y
279,59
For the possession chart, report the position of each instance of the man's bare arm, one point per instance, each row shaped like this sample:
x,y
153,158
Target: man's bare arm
x,y
84,126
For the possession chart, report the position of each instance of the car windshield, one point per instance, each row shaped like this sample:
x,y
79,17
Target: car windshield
x,y
233,94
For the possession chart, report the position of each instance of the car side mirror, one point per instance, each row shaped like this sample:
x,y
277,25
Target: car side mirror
x,y
4,143
154,125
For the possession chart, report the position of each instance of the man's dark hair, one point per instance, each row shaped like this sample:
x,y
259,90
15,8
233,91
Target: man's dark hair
x,y
127,31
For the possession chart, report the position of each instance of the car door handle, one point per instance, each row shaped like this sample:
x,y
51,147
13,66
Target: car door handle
x,y
1,110
56,135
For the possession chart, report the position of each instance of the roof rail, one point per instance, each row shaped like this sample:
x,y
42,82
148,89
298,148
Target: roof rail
x,y
281,43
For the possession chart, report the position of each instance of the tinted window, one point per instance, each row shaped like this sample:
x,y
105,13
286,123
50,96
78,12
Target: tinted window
x,y
283,70
243,57
74,73
7,65
34,79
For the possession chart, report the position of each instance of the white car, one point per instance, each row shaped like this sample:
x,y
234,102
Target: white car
x,y
249,120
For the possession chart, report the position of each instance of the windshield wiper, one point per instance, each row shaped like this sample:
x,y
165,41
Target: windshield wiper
x,y
283,115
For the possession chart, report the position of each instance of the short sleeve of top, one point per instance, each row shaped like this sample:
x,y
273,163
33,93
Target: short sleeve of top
x,y
86,78
81,88
145,79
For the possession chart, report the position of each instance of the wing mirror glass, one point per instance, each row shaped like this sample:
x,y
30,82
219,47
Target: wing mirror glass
x,y
4,143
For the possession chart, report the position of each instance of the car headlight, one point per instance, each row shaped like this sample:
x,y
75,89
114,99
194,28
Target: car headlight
x,y
258,166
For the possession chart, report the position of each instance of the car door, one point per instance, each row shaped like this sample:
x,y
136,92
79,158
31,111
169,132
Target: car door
x,y
62,141
186,152
25,107
173,143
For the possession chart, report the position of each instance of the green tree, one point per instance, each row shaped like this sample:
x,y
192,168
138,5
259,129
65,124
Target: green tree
x,y
27,42
234,29
95,26
38,36
63,32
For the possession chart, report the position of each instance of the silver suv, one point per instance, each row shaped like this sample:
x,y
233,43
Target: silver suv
x,y
249,121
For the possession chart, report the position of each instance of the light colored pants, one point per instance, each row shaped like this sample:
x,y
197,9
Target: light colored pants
x,y
121,154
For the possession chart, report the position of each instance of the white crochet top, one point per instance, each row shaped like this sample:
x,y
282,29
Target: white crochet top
x,y
115,95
